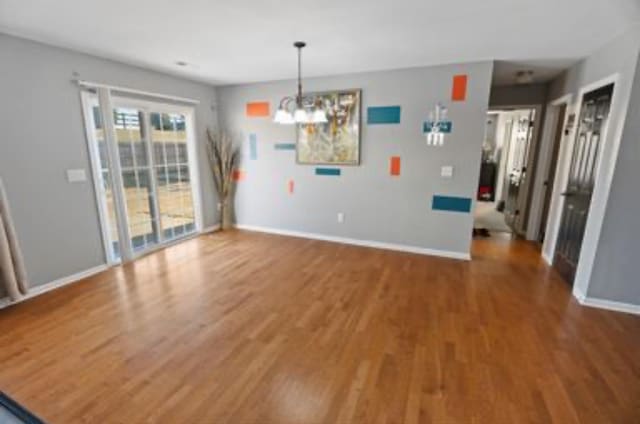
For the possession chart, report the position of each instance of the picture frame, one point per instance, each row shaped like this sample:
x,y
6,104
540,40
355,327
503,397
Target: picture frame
x,y
337,142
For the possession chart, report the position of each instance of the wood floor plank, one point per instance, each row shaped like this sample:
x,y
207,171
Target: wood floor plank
x,y
240,327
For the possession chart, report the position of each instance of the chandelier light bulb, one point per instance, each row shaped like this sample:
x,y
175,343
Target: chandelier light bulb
x,y
301,116
283,117
319,117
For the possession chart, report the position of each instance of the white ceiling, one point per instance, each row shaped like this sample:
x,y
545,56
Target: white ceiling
x,y
234,41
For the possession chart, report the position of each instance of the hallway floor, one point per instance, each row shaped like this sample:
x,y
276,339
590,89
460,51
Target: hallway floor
x,y
241,327
486,216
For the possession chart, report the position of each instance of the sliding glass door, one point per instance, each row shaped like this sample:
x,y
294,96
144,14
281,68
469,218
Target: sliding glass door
x,y
173,173
135,167
143,158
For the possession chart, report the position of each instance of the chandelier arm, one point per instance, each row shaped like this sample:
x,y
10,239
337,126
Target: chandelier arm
x,y
299,75
307,101
285,102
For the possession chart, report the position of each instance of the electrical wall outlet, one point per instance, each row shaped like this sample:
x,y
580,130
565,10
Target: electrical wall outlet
x,y
340,217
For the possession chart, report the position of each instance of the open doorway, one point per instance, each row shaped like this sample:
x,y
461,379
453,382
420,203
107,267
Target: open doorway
x,y
502,189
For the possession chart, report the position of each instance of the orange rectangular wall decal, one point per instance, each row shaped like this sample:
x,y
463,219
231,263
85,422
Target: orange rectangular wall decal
x,y
459,90
394,165
290,185
238,175
258,109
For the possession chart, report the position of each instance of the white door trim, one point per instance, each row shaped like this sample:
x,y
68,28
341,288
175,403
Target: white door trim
x,y
134,91
107,102
604,177
96,170
605,169
543,166
560,181
115,172
192,144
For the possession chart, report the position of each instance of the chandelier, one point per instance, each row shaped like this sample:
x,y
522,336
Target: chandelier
x,y
300,109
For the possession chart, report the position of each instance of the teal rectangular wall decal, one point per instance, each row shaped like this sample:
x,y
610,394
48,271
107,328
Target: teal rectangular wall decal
x,y
285,146
328,171
452,204
253,146
383,115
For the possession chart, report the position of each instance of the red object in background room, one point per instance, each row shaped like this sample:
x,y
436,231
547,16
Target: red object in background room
x,y
484,192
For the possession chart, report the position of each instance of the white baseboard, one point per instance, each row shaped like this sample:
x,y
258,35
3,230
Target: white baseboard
x,y
211,229
358,242
547,259
4,302
60,282
578,294
609,305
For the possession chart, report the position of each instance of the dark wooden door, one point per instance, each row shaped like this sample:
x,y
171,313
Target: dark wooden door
x,y
582,172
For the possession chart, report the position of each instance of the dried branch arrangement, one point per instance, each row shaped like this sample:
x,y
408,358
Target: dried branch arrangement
x,y
224,155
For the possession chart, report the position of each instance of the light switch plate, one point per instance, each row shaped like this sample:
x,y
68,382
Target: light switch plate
x,y
446,172
76,175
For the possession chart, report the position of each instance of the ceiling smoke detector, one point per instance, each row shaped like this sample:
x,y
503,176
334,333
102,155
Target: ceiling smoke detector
x,y
524,77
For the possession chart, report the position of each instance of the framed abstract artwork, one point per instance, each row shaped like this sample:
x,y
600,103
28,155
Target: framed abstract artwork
x,y
336,142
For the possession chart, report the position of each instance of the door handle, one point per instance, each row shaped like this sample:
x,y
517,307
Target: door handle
x,y
567,194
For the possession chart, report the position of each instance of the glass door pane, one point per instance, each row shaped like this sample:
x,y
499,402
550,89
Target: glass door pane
x,y
135,165
172,170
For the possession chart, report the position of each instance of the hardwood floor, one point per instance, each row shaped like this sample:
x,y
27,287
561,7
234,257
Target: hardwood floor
x,y
251,328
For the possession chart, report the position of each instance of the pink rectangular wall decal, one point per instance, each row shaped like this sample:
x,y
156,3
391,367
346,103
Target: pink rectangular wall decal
x,y
258,109
459,89
290,186
394,165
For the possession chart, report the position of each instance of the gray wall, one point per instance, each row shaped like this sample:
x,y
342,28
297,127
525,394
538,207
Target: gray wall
x,y
617,56
42,135
377,207
615,273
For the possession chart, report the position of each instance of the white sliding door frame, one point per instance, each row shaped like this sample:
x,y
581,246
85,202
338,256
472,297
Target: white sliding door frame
x,y
106,103
194,173
117,186
89,100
